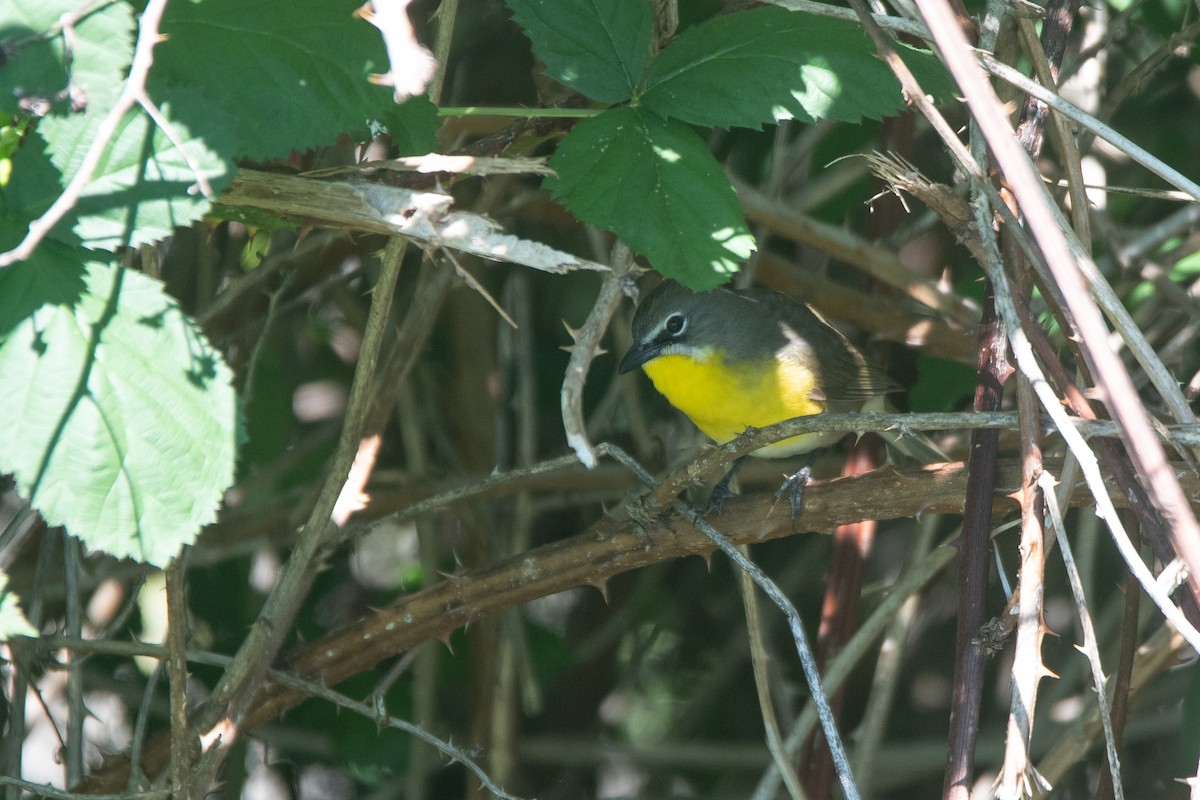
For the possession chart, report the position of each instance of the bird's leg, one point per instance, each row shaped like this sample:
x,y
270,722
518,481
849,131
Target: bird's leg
x,y
721,492
793,486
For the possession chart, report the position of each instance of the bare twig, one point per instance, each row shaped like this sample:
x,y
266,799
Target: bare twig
x,y
447,16
888,666
760,660
155,113
1101,129
585,348
182,749
1023,352
1124,671
897,24
46,790
858,647
426,217
878,316
1106,367
162,652
234,693
1090,648
807,662
1064,140
876,260
1017,777
135,86
73,563
137,777
432,163
592,558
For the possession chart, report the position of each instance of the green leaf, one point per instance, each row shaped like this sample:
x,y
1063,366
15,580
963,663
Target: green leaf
x,y
768,64
412,126
144,185
598,47
36,67
120,415
12,618
292,75
33,185
654,184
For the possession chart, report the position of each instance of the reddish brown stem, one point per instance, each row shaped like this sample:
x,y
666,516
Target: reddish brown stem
x,y
994,370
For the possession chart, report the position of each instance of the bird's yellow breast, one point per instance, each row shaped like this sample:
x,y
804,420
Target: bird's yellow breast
x,y
723,399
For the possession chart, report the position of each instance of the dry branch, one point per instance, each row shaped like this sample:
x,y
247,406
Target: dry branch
x,y
607,549
423,217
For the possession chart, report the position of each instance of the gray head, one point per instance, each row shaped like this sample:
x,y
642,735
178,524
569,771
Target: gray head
x,y
674,320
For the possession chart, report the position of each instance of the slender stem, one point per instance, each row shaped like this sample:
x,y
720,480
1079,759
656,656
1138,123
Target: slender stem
x,y
807,662
1120,395
519,111
1090,647
1104,131
237,687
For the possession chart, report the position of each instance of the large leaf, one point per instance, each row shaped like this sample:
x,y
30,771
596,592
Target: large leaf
x,y
120,416
38,68
598,47
144,185
655,184
293,74
768,64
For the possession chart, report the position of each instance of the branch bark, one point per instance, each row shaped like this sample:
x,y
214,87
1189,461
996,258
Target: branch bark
x,y
608,548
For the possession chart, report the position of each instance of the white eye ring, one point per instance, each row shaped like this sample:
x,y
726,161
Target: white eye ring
x,y
676,324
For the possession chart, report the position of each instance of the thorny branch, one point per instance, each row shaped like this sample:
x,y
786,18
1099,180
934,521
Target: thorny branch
x,y
592,558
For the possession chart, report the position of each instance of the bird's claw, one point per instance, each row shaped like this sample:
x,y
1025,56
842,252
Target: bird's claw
x,y
793,486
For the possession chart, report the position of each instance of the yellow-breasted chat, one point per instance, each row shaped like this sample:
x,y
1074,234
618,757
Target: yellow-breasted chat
x,y
732,359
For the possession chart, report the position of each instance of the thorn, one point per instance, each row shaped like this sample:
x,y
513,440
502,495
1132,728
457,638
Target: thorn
x,y
602,587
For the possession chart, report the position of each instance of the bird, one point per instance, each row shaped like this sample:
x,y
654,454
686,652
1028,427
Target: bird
x,y
733,359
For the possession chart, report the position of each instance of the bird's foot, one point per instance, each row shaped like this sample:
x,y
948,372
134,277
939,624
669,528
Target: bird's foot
x,y
720,493
793,487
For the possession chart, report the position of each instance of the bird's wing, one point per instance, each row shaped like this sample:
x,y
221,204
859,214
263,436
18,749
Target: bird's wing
x,y
845,373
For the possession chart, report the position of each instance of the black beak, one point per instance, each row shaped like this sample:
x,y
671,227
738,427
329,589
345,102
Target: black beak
x,y
639,354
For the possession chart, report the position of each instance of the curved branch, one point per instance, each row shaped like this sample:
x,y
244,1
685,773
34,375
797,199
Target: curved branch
x,y
609,548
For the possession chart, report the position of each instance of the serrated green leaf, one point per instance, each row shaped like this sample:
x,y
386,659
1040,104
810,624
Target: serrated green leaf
x,y
33,185
303,67
768,64
144,185
12,618
120,415
654,184
37,67
598,47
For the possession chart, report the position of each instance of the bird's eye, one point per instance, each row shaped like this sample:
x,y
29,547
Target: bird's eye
x,y
675,324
